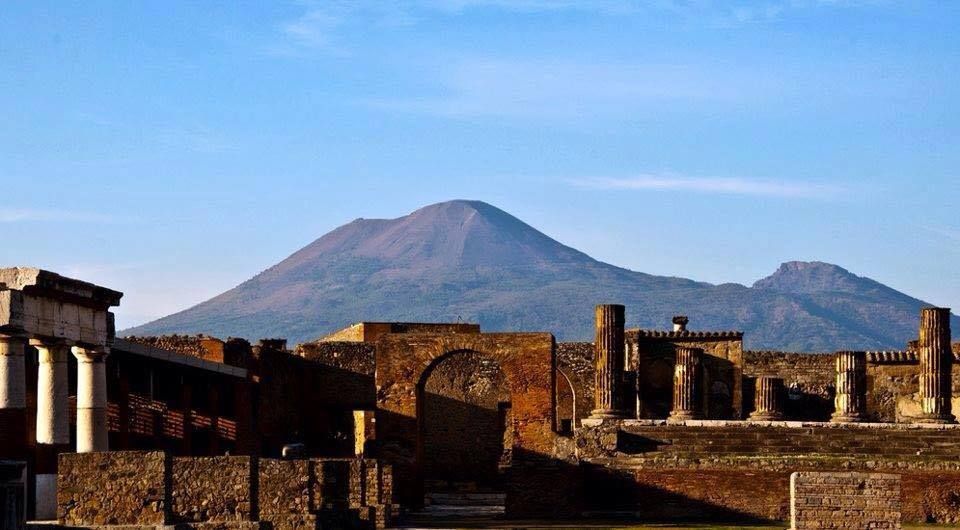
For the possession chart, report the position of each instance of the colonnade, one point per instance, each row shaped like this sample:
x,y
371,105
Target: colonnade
x,y
850,402
52,419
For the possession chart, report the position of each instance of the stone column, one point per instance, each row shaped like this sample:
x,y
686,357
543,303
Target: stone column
x,y
13,397
91,399
686,384
53,423
850,403
768,399
936,363
609,358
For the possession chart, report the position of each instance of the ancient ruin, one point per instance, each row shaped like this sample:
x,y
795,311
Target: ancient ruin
x,y
387,422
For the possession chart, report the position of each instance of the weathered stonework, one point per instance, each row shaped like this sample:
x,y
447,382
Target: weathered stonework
x,y
844,500
936,361
851,398
118,488
212,489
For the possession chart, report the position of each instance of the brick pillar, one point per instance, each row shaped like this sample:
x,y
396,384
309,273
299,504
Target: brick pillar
x,y
686,385
53,423
936,363
768,399
609,359
850,403
91,399
13,398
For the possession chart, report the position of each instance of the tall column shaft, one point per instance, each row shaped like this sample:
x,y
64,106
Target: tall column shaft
x,y
768,400
53,424
686,384
609,359
936,364
91,400
850,403
13,397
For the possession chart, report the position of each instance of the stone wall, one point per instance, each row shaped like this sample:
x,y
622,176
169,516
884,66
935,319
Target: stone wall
x,y
309,396
739,472
150,488
212,489
575,364
403,365
844,500
284,493
651,356
810,379
115,488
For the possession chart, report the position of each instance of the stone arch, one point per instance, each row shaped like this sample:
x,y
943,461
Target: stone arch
x,y
465,433
566,404
528,365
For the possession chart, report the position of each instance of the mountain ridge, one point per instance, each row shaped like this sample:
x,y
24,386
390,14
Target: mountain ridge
x,y
471,260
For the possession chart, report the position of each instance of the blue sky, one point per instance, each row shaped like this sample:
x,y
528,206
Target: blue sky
x,y
173,149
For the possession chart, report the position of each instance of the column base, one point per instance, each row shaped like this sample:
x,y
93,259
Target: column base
x,y
680,417
608,414
940,419
847,418
765,416
46,497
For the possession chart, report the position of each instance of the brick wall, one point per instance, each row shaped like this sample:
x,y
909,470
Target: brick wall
x,y
844,500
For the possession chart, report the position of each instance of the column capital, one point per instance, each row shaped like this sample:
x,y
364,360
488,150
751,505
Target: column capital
x,y
52,350
15,339
90,355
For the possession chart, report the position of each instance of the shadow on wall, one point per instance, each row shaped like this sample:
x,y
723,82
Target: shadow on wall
x,y
310,402
539,485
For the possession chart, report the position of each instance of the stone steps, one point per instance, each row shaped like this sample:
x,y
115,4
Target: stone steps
x,y
689,440
459,506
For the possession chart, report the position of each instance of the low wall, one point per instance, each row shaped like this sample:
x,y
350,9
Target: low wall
x,y
739,471
116,488
212,489
844,500
150,489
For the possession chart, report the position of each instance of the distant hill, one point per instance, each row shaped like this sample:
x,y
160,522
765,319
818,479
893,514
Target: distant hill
x,y
469,260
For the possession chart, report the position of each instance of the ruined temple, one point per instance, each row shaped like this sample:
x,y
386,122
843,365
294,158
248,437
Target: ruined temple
x,y
384,421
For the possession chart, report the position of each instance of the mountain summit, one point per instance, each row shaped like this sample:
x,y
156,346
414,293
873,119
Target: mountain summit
x,y
472,261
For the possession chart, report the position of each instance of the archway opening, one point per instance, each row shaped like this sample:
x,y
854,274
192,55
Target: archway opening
x,y
465,433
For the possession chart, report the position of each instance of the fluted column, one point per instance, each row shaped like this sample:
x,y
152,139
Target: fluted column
x,y
91,399
850,403
609,360
686,384
13,397
768,399
936,363
53,423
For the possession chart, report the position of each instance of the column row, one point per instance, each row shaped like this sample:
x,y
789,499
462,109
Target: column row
x,y
935,355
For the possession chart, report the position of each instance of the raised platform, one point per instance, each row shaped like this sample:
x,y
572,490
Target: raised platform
x,y
740,471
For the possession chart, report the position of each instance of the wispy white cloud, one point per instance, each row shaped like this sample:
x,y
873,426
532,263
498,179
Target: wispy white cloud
x,y
21,215
715,185
544,89
322,23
